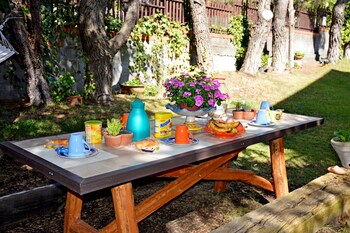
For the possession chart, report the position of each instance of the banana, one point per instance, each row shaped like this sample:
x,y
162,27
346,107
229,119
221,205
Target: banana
x,y
227,126
224,127
216,128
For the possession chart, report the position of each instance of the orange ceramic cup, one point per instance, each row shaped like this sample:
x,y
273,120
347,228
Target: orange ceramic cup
x,y
183,135
124,119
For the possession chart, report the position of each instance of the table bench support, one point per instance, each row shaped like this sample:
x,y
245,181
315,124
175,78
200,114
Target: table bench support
x,y
220,186
180,185
224,174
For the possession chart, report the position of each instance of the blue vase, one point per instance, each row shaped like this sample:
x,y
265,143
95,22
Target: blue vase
x,y
138,122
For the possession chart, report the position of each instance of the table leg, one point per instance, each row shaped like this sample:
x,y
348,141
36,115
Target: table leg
x,y
72,214
220,186
124,208
278,165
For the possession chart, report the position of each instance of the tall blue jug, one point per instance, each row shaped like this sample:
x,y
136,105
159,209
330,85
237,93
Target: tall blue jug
x,y
138,122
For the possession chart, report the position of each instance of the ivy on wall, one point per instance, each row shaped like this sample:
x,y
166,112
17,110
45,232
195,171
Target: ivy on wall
x,y
158,47
239,29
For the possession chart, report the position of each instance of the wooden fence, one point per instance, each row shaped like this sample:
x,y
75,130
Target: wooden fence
x,y
219,11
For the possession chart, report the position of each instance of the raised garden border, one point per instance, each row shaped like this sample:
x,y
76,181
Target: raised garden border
x,y
19,206
306,209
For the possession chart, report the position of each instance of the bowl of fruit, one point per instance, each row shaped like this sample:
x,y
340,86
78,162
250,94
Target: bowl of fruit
x,y
225,129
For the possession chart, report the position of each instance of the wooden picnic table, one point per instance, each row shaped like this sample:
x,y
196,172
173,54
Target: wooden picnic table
x,y
116,168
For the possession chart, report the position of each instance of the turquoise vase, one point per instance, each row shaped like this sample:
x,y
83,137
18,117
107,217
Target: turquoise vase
x,y
138,122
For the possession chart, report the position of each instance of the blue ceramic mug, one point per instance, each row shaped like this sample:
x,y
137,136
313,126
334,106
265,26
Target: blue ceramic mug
x,y
77,146
262,117
265,105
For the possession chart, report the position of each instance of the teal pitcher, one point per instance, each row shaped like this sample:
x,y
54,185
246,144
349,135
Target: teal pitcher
x,y
138,122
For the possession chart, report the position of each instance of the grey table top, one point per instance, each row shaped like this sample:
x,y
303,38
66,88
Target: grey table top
x,y
114,166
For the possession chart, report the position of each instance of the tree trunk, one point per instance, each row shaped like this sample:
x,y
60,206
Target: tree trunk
x,y
252,60
291,24
28,42
96,46
201,34
333,53
279,36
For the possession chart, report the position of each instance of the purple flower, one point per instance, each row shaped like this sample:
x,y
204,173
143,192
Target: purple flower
x,y
199,100
176,84
211,102
224,96
186,94
217,94
194,87
214,87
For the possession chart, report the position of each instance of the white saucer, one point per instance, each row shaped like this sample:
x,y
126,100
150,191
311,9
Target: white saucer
x,y
87,154
171,141
253,123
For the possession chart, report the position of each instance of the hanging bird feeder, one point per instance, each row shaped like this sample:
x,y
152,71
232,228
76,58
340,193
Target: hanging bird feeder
x,y
6,49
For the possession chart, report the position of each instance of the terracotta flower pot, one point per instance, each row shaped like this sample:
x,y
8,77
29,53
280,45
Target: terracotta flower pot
x,y
132,89
126,137
249,115
193,108
237,114
113,141
74,100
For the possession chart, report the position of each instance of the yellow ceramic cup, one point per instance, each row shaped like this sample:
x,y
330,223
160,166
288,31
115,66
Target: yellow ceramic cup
x,y
276,115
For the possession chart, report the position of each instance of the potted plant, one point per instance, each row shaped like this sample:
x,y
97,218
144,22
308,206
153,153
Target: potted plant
x,y
298,55
243,111
115,136
341,144
194,90
133,86
112,137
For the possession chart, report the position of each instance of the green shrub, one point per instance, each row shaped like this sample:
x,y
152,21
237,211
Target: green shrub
x,y
151,90
299,54
61,87
343,135
133,82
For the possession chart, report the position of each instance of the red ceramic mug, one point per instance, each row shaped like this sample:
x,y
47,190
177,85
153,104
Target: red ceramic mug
x,y
183,135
